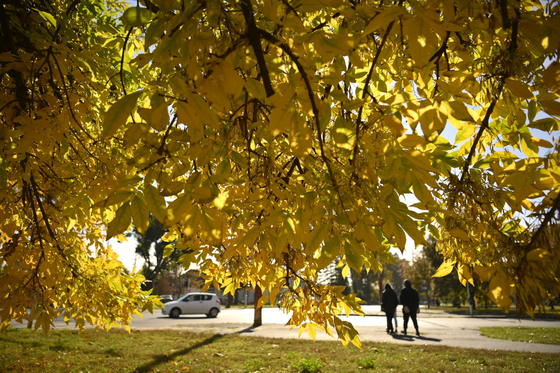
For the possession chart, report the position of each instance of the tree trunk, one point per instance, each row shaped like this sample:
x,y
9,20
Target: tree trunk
x,y
228,304
29,321
380,283
258,311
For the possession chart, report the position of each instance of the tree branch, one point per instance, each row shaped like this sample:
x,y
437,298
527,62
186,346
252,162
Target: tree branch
x,y
122,59
366,86
547,218
272,39
253,35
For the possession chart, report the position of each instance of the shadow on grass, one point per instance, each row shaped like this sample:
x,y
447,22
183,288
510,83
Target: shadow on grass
x,y
160,359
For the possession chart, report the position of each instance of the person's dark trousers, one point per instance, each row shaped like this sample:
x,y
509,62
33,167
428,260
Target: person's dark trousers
x,y
412,315
390,316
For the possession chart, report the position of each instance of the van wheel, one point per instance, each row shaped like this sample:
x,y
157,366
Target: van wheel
x,y
175,313
213,313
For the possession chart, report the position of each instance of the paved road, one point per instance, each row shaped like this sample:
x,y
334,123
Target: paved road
x,y
436,328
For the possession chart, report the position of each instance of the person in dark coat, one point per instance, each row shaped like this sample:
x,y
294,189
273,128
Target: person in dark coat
x,y
410,301
389,302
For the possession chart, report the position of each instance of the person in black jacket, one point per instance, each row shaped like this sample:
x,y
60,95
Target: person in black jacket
x,y
389,302
409,299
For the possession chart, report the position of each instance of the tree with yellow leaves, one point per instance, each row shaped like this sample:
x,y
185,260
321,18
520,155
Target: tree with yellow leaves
x,y
272,137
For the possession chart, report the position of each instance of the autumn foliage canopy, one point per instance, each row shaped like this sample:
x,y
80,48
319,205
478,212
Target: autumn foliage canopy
x,y
271,138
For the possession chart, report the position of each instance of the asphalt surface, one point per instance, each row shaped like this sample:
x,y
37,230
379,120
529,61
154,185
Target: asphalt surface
x,y
436,327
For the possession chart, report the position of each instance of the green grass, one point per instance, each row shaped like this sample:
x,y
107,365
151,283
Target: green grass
x,y
181,351
549,336
494,310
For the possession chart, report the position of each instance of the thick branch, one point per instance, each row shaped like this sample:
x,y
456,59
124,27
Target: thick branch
x,y
272,39
481,130
21,89
255,41
122,59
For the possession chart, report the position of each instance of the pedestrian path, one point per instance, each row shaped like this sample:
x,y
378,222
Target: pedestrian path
x,y
436,328
463,338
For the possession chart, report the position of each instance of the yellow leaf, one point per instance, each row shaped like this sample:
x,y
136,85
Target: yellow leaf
x,y
178,210
345,271
186,115
116,198
384,18
256,88
518,88
223,171
354,254
121,222
202,110
301,137
329,251
210,225
316,237
203,194
551,107
418,159
417,30
155,202
311,331
500,290
459,233
458,110
281,120
117,114
137,16
168,250
411,140
140,214
465,274
394,124
48,17
465,133
343,133
484,274
538,255
444,269
220,201
302,328
551,77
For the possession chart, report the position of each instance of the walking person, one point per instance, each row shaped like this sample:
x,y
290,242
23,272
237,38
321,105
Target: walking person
x,y
410,301
389,302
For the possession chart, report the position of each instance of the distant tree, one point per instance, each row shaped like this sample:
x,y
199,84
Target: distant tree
x,y
393,273
335,277
158,254
446,289
364,285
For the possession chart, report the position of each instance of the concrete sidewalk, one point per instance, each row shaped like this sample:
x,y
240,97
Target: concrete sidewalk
x,y
436,328
465,338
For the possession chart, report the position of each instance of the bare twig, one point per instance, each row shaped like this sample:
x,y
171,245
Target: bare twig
x,y
366,89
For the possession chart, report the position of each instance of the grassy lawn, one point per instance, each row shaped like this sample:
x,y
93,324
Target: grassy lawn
x,y
550,313
549,336
181,351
